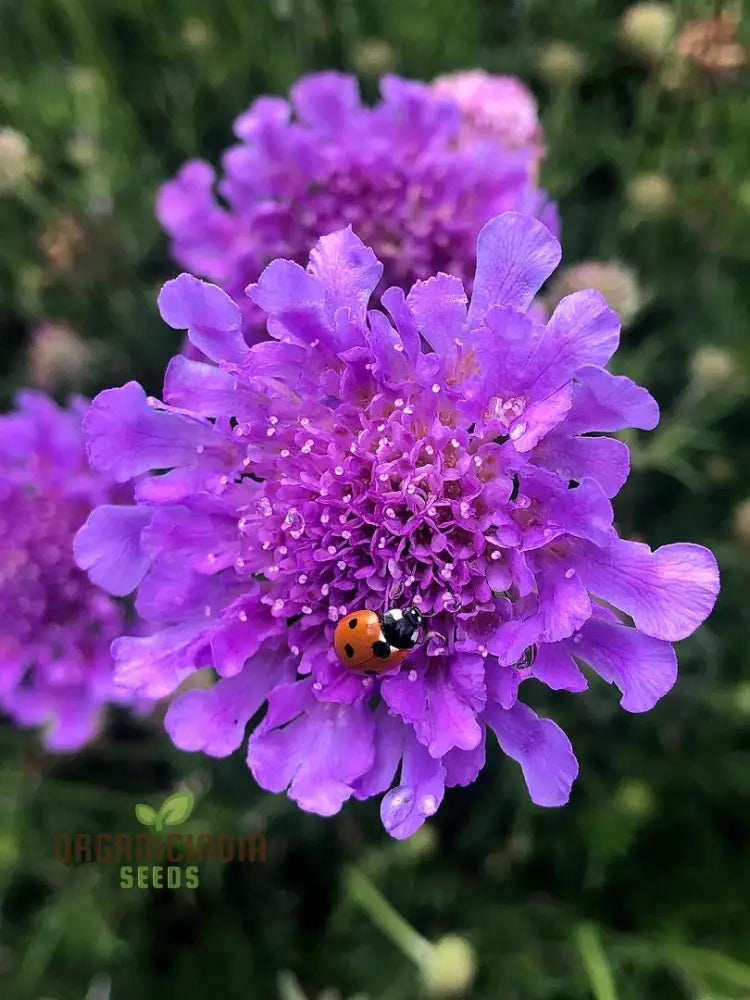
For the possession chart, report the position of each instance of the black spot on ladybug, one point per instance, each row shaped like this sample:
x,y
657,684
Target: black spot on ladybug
x,y
349,650
381,649
353,623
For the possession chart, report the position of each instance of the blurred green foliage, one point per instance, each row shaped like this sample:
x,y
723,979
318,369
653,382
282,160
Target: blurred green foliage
x,y
638,890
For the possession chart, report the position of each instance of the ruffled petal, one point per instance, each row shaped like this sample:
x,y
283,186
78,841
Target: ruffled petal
x,y
125,436
419,793
515,256
668,592
212,319
643,668
541,748
108,547
314,749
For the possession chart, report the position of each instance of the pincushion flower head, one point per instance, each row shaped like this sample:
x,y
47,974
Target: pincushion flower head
x,y
56,627
435,454
406,174
497,107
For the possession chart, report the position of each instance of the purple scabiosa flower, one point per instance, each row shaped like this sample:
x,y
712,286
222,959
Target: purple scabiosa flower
x,y
494,107
436,454
396,172
56,627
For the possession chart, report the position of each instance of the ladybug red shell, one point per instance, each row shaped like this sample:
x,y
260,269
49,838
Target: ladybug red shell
x,y
367,644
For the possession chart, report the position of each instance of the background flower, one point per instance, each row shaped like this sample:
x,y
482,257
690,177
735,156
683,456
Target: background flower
x,y
439,455
55,625
416,176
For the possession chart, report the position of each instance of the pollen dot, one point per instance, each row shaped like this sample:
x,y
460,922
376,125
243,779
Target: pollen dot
x,y
412,675
325,590
270,432
339,470
317,686
302,578
455,443
285,453
199,449
243,616
569,573
306,609
331,550
273,420
496,555
399,403
341,565
435,387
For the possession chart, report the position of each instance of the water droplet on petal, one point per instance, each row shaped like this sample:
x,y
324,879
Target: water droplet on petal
x,y
428,805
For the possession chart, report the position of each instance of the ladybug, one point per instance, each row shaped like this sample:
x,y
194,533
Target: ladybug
x,y
368,644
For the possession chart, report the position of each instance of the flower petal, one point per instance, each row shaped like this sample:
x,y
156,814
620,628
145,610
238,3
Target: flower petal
x,y
155,665
315,749
668,592
108,547
515,256
643,668
214,720
606,402
125,436
422,786
540,747
212,319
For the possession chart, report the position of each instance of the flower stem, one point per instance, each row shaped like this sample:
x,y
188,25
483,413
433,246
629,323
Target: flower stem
x,y
595,962
362,892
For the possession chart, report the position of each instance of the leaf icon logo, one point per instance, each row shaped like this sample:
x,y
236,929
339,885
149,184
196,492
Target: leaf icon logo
x,y
174,810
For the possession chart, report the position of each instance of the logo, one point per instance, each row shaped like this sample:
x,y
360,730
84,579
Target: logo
x,y
159,860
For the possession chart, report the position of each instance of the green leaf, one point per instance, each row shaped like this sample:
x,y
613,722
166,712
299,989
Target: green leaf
x,y
145,814
176,808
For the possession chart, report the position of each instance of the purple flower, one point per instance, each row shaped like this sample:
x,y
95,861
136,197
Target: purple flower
x,y
494,107
430,454
407,175
56,626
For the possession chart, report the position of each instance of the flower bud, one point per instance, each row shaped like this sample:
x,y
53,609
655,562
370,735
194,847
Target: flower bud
x,y
450,968
741,521
615,281
713,367
634,799
560,62
650,194
58,358
372,57
17,163
196,35
647,30
420,845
